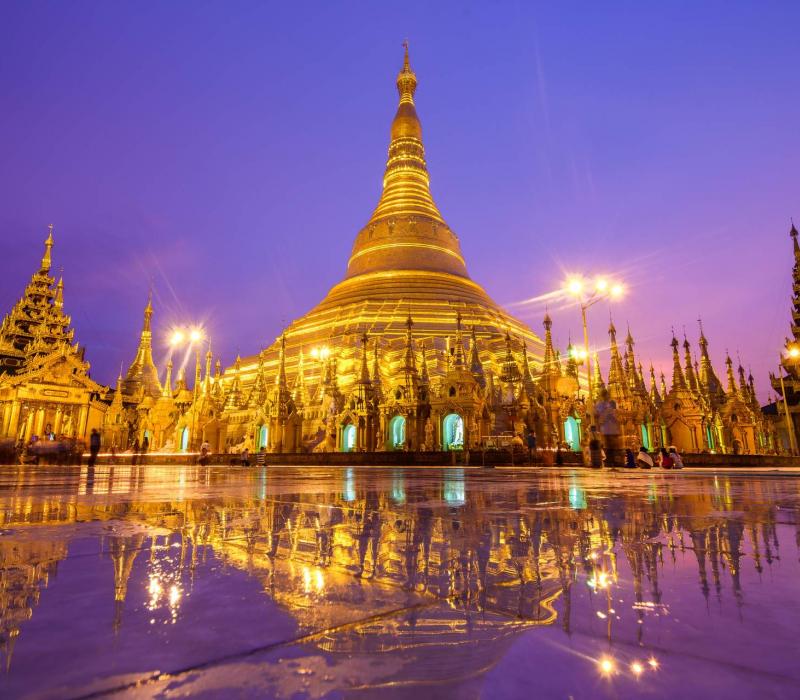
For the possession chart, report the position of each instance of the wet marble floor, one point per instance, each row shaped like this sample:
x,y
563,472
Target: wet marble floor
x,y
393,583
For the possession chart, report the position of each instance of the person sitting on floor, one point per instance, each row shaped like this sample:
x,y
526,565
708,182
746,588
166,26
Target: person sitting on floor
x,y
644,460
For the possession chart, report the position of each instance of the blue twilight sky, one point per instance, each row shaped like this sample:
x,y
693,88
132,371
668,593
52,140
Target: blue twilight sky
x,y
230,151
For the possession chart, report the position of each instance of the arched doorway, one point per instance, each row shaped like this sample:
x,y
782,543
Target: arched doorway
x,y
646,438
572,433
261,437
185,440
453,432
397,432
348,438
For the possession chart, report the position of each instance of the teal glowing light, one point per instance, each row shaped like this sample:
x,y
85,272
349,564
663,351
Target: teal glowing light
x,y
397,431
348,438
453,432
572,434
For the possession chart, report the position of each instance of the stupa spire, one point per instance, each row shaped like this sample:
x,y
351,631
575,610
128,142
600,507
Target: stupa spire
x,y
406,229
678,380
47,259
142,373
167,391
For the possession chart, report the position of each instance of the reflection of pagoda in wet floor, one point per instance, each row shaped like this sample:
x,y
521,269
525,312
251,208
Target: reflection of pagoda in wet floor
x,y
451,552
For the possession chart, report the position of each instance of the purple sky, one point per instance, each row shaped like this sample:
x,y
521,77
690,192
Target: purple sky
x,y
231,151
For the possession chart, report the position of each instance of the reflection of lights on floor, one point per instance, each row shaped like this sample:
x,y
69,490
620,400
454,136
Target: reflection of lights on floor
x,y
600,580
606,665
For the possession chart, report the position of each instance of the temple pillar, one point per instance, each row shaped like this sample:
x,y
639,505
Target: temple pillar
x,y
58,419
11,419
83,416
39,423
29,425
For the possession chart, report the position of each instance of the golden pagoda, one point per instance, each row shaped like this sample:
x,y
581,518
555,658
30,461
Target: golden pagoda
x,y
406,264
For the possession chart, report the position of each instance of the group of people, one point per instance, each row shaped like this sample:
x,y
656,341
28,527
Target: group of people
x,y
664,458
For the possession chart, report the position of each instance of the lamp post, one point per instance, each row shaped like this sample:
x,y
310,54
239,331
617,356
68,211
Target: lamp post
x,y
602,289
192,336
794,353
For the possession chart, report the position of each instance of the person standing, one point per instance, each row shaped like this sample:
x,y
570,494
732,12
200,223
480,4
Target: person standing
x,y
245,457
608,420
261,457
145,448
204,449
595,450
135,451
94,446
531,446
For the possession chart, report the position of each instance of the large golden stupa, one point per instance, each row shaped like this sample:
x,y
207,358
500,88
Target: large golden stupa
x,y
405,261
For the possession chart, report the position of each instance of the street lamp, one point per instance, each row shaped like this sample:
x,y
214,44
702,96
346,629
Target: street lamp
x,y
191,336
588,295
793,352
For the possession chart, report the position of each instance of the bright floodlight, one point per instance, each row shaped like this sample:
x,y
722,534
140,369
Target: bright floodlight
x,y
637,668
617,291
601,284
324,352
177,337
195,335
794,351
575,285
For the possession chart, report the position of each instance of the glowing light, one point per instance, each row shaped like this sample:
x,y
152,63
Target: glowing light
x,y
617,291
599,580
177,337
174,596
195,335
794,351
653,661
601,284
607,665
637,668
575,285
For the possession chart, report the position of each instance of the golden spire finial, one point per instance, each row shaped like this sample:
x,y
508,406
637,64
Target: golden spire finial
x,y
406,80
148,312
48,246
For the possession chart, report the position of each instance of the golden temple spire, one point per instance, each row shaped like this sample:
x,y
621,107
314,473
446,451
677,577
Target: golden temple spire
x,y
655,396
459,349
364,364
59,300
424,377
597,379
280,379
48,247
143,373
406,181
167,392
406,230
411,362
732,389
678,380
